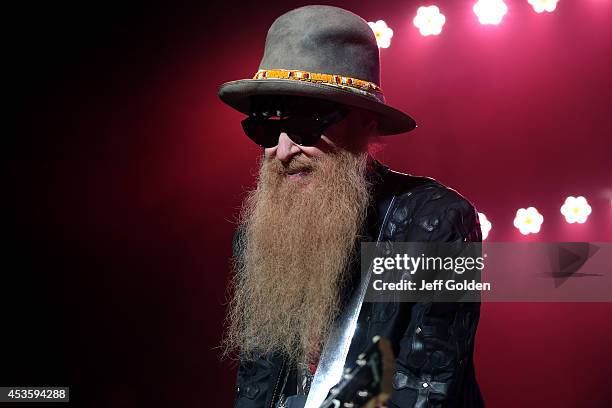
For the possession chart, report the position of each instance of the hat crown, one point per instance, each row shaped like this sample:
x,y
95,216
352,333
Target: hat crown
x,y
323,39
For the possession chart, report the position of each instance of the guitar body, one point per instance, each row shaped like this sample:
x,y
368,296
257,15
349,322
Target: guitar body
x,y
370,383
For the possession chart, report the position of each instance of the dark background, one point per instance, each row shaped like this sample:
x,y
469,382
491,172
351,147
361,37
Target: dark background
x,y
125,174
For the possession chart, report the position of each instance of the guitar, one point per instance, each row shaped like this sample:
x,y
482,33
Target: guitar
x,y
369,383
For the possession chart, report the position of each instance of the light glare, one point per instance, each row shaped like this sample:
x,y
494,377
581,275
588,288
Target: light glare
x,y
485,225
429,20
528,220
543,5
382,32
490,11
576,209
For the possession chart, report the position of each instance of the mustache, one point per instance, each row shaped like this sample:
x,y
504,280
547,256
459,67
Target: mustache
x,y
299,163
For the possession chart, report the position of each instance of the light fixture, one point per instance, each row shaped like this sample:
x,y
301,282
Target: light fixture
x,y
490,11
382,32
543,5
576,209
528,220
429,20
485,225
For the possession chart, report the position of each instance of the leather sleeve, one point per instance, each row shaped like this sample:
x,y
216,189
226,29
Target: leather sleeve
x,y
258,383
437,346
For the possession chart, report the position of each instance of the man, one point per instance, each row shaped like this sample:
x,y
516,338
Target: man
x,y
315,106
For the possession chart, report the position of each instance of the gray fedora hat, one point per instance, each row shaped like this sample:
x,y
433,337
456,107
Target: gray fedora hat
x,y
321,52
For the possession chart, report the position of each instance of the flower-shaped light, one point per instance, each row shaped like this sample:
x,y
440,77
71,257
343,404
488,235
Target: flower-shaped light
x,y
429,20
490,11
543,5
382,32
528,220
485,225
576,209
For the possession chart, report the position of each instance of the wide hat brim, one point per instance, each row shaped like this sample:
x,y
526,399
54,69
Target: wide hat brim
x,y
237,94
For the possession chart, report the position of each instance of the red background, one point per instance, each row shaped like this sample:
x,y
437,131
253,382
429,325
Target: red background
x,y
127,171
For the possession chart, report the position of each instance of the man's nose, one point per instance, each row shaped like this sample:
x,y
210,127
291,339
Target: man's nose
x,y
286,148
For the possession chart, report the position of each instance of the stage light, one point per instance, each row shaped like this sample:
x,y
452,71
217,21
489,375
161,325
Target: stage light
x,y
576,209
528,220
429,20
485,225
382,32
543,5
490,11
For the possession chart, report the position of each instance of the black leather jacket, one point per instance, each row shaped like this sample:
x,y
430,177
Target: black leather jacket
x,y
433,342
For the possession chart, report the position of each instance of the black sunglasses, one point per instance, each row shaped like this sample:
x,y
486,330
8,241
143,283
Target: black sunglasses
x,y
303,130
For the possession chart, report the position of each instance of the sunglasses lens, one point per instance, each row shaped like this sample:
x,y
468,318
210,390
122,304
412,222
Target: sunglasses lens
x,y
305,132
305,138
265,133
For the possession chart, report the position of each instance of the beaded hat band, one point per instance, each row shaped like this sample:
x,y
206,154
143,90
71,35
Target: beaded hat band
x,y
365,88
